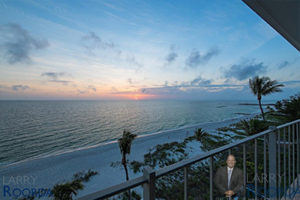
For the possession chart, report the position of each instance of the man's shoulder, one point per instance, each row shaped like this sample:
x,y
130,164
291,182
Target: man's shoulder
x,y
238,170
223,168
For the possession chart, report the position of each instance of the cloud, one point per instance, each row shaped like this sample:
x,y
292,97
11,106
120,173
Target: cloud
x,y
17,44
19,87
195,88
129,81
283,64
90,87
171,57
60,81
86,90
81,91
131,59
290,82
195,58
92,41
245,70
114,90
56,77
53,75
166,90
286,63
200,81
221,91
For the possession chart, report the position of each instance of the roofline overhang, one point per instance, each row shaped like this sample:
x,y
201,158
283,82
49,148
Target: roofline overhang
x,y
259,9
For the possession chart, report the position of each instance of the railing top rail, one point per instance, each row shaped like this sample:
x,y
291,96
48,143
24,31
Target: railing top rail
x,y
288,124
115,189
176,166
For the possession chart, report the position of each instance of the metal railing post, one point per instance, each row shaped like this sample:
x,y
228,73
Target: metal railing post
x,y
298,156
279,163
265,166
255,168
149,187
272,165
289,159
244,169
284,162
211,178
185,173
293,147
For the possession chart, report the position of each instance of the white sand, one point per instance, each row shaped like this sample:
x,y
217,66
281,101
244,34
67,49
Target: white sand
x,y
45,172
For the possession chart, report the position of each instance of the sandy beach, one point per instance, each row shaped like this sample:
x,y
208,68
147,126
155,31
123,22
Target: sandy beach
x,y
47,171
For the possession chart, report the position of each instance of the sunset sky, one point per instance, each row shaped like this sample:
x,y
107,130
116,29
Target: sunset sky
x,y
139,50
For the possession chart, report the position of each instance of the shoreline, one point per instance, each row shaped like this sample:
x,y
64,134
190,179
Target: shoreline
x,y
57,153
53,169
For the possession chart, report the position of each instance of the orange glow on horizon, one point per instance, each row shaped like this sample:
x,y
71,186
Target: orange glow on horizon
x,y
59,91
136,96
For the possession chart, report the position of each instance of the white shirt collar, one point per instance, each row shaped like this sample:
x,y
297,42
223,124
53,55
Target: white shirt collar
x,y
228,168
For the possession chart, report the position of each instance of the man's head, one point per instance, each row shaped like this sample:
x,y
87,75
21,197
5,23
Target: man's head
x,y
230,161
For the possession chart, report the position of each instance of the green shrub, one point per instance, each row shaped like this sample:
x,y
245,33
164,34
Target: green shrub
x,y
253,126
289,109
66,191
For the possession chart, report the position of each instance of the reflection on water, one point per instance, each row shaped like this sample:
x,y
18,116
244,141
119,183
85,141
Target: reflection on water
x,y
34,128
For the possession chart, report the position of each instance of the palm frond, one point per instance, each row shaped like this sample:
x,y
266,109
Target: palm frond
x,y
125,142
272,89
264,86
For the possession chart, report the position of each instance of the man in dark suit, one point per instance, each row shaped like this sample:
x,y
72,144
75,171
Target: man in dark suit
x,y
229,179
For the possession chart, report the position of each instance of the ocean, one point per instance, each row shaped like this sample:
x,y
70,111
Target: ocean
x,y
31,129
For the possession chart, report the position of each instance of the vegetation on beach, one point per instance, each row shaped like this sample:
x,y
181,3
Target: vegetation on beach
x,y
67,190
287,109
171,185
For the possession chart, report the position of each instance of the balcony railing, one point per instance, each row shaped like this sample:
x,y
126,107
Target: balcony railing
x,y
281,157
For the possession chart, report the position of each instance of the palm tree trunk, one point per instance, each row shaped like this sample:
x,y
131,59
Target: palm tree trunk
x,y
125,166
262,111
126,171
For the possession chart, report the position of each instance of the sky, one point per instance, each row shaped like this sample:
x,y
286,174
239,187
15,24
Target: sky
x,y
150,49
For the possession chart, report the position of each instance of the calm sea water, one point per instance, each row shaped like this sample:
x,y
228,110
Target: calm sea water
x,y
36,128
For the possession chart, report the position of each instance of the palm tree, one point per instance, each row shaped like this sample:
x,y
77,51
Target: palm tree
x,y
262,87
199,134
125,145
